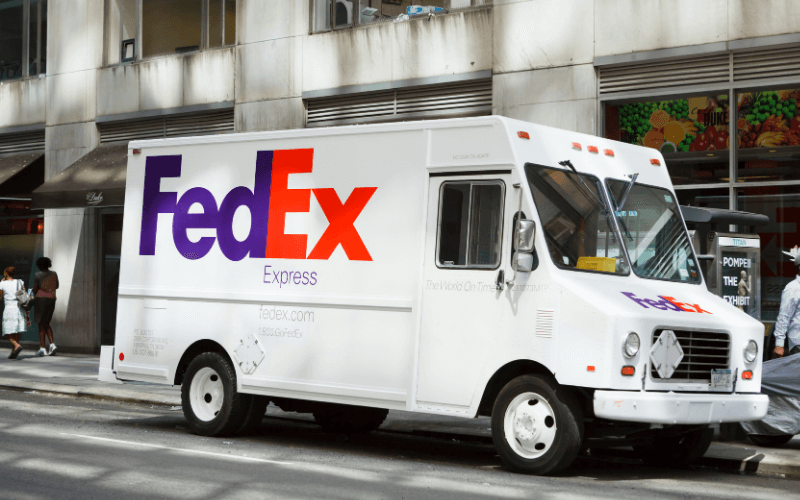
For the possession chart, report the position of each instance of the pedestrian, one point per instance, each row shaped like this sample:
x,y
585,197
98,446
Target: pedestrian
x,y
45,284
788,324
14,318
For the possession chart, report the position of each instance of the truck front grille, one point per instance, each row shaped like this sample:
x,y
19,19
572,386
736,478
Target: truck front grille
x,y
702,352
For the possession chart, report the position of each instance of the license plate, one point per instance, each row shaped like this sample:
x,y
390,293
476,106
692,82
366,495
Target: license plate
x,y
721,378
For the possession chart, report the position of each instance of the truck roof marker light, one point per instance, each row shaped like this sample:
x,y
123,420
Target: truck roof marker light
x,y
592,149
576,146
137,151
523,135
608,152
590,368
655,162
628,371
747,375
121,357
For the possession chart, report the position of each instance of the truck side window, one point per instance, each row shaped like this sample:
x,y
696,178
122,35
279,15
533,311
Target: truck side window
x,y
470,224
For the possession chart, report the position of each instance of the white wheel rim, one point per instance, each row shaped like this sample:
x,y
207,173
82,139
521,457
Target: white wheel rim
x,y
206,394
530,425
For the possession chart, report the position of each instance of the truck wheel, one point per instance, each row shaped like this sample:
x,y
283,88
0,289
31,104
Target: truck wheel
x,y
773,441
211,405
537,426
680,450
254,415
349,419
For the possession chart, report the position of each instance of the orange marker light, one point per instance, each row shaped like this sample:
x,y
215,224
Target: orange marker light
x,y
592,149
747,375
628,371
121,357
608,152
523,135
137,151
655,162
576,145
590,368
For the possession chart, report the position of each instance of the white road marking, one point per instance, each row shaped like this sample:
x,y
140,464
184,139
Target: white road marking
x,y
182,450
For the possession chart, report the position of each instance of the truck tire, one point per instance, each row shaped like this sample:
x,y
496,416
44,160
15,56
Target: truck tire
x,y
676,451
349,419
537,425
211,404
770,441
254,415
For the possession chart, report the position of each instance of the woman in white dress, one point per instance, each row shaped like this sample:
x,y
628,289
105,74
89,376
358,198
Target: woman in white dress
x,y
14,320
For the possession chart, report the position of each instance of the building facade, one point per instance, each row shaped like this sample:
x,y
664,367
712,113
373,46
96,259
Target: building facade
x,y
713,84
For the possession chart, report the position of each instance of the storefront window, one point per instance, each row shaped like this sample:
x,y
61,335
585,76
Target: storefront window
x,y
21,243
691,132
769,135
10,40
782,205
112,248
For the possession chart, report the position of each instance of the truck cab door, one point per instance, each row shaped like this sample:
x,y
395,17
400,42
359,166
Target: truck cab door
x,y
464,310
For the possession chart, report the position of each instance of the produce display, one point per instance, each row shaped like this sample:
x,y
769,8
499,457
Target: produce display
x,y
680,125
769,119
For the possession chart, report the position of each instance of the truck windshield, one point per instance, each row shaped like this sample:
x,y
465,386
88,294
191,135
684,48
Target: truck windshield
x,y
576,220
657,242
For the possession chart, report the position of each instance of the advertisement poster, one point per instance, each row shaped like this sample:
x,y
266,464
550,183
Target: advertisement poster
x,y
739,286
678,125
769,119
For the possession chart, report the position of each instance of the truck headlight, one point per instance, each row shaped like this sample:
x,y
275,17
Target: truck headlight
x,y
630,347
751,351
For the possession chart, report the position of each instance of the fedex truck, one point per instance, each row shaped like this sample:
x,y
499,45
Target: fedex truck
x,y
466,267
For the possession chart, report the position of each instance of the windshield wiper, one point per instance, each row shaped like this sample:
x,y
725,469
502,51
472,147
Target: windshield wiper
x,y
567,163
627,191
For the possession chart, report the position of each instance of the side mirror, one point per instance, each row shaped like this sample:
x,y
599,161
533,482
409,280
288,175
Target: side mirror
x,y
524,235
522,262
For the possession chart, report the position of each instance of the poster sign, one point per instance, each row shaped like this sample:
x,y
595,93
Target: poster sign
x,y
739,281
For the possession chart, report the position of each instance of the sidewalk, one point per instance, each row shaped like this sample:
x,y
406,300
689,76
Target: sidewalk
x,y
77,375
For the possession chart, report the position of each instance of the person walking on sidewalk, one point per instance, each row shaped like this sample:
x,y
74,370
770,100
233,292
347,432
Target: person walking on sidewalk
x,y
45,284
788,324
14,318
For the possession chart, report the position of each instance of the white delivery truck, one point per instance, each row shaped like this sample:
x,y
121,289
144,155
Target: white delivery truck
x,y
466,267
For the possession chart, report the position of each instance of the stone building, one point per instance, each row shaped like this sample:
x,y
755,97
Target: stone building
x,y
81,78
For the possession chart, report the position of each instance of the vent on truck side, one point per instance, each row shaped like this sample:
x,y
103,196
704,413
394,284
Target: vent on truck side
x,y
702,352
545,323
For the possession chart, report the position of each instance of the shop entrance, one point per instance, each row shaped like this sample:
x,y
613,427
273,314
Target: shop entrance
x,y
111,221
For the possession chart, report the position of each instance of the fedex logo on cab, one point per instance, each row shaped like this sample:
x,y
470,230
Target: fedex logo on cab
x,y
268,202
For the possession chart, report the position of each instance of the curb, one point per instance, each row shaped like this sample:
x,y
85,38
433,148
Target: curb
x,y
114,394
758,464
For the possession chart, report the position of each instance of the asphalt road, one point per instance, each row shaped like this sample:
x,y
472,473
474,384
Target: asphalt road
x,y
66,447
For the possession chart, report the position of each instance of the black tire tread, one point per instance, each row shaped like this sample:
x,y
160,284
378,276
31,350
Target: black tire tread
x,y
570,436
234,408
254,415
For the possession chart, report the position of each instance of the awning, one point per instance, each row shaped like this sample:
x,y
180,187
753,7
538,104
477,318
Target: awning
x,y
16,178
96,180
708,215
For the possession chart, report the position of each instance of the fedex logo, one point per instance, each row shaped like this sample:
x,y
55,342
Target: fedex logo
x,y
666,304
269,201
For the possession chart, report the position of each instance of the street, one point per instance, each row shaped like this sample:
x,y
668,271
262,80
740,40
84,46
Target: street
x,y
64,447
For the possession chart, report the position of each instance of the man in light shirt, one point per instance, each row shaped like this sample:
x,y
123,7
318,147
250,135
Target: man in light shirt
x,y
788,324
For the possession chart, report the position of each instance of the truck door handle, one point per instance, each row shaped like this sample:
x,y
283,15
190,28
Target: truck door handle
x,y
501,279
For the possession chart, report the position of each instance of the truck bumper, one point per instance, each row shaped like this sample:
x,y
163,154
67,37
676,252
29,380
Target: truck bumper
x,y
679,408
